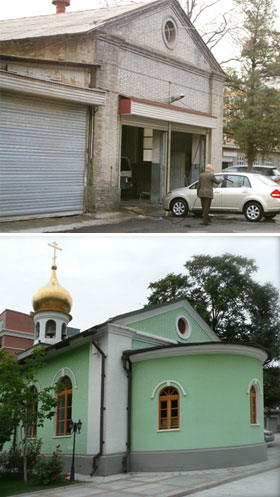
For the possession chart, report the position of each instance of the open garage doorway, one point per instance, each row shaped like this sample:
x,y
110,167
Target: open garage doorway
x,y
143,158
187,158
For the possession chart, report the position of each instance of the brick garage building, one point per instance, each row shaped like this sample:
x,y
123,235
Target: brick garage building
x,y
82,90
16,331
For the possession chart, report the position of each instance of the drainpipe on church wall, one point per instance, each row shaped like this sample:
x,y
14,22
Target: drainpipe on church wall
x,y
128,370
102,408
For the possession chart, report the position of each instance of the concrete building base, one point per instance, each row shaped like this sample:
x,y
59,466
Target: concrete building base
x,y
198,459
105,465
162,461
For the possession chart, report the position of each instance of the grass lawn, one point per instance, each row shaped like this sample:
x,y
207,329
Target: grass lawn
x,y
13,484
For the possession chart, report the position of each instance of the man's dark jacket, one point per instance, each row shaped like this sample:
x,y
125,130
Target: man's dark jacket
x,y
205,185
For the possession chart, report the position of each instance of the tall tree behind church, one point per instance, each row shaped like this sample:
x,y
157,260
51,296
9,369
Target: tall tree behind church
x,y
252,99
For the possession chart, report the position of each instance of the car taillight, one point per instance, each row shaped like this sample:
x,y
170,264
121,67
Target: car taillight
x,y
276,180
275,194
129,180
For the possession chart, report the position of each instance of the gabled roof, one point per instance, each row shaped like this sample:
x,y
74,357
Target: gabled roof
x,y
87,21
156,309
89,334
69,23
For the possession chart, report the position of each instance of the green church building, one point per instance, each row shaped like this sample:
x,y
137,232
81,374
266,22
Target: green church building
x,y
156,389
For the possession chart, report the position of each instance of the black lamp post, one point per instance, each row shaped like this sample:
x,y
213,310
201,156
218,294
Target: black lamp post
x,y
74,428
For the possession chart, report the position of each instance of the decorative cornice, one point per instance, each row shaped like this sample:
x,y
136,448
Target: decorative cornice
x,y
198,349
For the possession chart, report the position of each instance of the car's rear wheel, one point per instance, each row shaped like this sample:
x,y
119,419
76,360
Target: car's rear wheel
x,y
253,212
179,207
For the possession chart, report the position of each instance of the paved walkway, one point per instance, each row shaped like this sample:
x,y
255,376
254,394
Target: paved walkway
x,y
163,484
262,485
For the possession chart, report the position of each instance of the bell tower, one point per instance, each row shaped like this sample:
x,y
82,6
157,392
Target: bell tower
x,y
52,305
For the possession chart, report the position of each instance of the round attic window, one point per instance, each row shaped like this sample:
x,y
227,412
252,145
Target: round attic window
x,y
170,33
183,327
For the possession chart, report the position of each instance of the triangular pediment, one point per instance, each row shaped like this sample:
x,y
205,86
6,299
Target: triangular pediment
x,y
175,320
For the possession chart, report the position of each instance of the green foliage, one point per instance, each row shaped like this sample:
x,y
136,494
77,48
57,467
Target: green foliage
x,y
224,293
48,470
168,288
271,383
16,379
12,461
6,426
252,105
26,406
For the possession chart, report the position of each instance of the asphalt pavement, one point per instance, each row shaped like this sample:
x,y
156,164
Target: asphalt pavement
x,y
139,217
236,481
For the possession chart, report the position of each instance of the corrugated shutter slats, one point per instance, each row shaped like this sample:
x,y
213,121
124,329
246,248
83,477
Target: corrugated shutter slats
x,y
43,156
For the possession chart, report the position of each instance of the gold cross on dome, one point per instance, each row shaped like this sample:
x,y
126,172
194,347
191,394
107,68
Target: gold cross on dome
x,y
55,247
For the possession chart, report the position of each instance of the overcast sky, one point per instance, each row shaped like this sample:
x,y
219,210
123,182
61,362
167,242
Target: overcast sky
x,y
223,51
107,275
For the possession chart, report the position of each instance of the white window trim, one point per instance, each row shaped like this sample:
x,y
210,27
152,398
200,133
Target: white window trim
x,y
173,44
189,328
61,436
65,372
169,429
256,383
168,384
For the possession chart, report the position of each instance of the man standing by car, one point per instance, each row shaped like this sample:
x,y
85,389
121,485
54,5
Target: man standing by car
x,y
205,190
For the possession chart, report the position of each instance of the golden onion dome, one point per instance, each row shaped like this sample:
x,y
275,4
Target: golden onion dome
x,y
52,297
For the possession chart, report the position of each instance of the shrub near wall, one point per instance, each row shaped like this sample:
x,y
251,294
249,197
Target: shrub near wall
x,y
47,470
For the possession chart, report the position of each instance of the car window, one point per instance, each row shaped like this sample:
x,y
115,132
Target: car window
x,y
262,170
236,169
234,181
265,179
193,186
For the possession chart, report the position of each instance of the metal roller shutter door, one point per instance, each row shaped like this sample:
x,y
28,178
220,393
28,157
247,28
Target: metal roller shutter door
x,y
43,156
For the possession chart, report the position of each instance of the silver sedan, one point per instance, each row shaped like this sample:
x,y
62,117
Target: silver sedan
x,y
254,195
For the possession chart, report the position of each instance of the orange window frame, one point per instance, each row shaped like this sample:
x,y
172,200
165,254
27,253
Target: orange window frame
x,y
67,395
168,405
253,406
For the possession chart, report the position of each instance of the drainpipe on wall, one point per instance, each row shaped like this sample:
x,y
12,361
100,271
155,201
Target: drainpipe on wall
x,y
128,370
61,5
102,408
